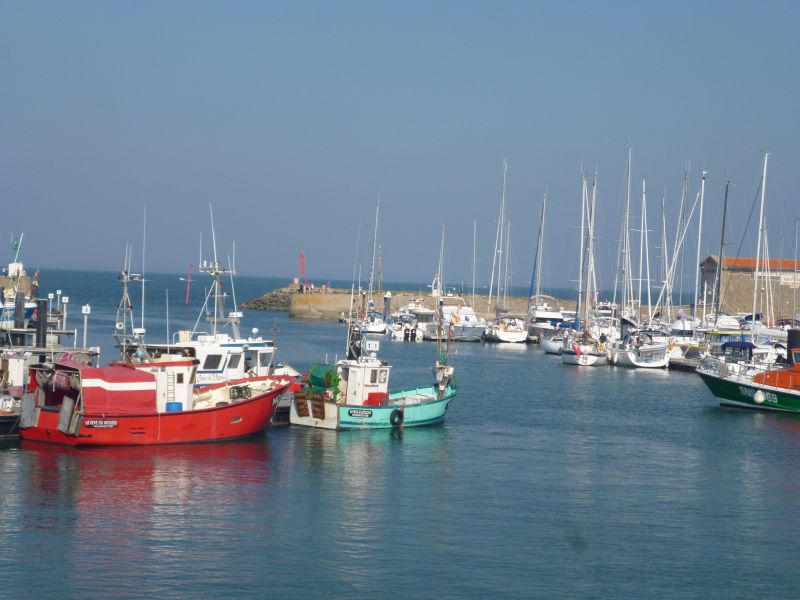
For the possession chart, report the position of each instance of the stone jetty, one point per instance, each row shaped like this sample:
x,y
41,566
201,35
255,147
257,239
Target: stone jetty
x,y
326,303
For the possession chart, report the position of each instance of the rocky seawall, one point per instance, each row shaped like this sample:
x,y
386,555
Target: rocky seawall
x,y
331,303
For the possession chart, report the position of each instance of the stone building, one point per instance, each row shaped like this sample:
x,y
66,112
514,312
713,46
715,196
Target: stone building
x,y
779,279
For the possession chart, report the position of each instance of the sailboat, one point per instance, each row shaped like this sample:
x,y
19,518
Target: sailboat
x,y
544,320
579,347
460,323
641,347
370,319
503,327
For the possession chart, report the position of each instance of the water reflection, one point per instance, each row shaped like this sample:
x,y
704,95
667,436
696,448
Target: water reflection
x,y
368,483
138,510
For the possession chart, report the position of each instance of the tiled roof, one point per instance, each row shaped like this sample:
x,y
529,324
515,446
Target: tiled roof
x,y
775,264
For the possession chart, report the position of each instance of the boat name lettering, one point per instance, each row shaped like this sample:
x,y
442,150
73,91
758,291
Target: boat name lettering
x,y
750,393
360,413
100,423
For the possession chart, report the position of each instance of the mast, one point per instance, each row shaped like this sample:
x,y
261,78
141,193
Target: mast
x,y
665,258
794,280
474,239
498,241
642,226
374,251
595,290
590,280
506,275
536,274
144,243
582,246
697,262
624,241
646,256
718,278
758,247
441,264
681,228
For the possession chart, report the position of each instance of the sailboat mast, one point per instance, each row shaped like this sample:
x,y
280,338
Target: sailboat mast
x,y
794,279
474,239
540,250
506,276
718,278
581,254
535,274
665,259
442,286
697,262
498,240
591,283
374,250
760,233
646,257
679,233
641,253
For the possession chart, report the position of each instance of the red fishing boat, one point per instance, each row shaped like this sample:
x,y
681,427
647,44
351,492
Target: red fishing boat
x,y
142,403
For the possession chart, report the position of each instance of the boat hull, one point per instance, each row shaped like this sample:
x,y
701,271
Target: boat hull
x,y
321,413
641,358
232,421
551,346
750,395
506,337
584,359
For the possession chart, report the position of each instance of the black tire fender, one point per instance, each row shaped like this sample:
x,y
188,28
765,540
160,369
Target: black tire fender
x,y
396,418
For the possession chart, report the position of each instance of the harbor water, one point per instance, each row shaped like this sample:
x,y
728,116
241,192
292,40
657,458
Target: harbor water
x,y
545,481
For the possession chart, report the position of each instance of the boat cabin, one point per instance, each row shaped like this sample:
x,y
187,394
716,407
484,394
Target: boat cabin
x,y
364,380
220,357
74,390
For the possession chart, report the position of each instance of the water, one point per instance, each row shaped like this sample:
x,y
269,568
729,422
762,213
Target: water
x,y
544,481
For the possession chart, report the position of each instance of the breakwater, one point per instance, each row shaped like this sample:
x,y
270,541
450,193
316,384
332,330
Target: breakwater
x,y
329,303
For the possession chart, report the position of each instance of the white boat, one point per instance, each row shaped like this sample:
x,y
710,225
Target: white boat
x,y
543,317
223,353
507,329
640,350
582,351
460,323
552,343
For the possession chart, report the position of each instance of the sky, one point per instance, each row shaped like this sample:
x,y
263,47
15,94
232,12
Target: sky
x,y
291,119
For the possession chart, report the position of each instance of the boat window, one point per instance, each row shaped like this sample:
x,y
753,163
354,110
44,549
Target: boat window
x,y
796,357
264,359
384,374
179,378
191,379
233,363
373,376
212,361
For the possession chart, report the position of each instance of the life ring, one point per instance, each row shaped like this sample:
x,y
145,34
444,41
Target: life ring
x,y
396,418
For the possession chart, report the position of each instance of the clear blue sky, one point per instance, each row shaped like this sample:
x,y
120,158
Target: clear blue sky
x,y
292,117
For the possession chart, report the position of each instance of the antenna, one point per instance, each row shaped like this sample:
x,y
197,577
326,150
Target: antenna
x,y
144,243
213,234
